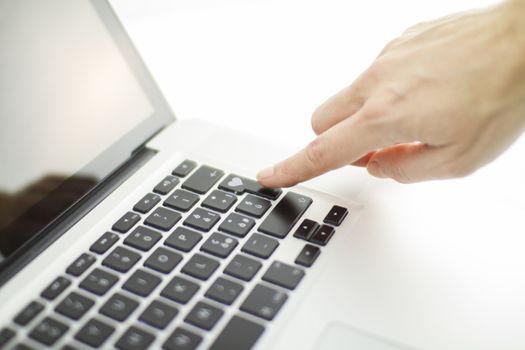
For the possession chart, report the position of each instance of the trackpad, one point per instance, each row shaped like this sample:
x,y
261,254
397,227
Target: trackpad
x,y
342,336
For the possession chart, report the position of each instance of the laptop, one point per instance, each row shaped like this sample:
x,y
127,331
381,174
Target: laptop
x,y
123,227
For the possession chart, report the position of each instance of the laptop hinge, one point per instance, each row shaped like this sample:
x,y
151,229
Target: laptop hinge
x,y
143,145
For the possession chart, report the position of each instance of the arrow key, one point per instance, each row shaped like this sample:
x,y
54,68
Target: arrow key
x,y
336,215
308,255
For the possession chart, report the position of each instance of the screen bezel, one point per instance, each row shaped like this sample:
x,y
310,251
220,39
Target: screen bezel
x,y
111,160
162,115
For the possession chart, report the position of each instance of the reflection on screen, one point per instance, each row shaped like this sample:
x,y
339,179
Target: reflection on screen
x,y
66,94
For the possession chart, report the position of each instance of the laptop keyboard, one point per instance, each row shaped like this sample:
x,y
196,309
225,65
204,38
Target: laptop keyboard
x,y
184,230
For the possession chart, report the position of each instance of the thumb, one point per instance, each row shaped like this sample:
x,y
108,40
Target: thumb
x,y
414,162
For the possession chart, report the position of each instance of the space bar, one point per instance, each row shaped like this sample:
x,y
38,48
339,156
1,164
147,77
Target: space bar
x,y
239,334
285,214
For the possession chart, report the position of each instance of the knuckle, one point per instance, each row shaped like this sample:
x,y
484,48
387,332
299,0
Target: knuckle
x,y
386,113
372,111
392,95
376,118
375,71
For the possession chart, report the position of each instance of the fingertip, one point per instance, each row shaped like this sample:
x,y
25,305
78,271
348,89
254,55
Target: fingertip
x,y
265,173
267,178
274,177
316,120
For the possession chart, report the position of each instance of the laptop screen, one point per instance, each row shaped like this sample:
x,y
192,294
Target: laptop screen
x,y
74,102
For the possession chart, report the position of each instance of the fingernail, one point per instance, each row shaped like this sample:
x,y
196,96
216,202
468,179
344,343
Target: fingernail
x,y
374,168
265,173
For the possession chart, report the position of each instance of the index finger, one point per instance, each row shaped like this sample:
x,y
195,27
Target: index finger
x,y
344,143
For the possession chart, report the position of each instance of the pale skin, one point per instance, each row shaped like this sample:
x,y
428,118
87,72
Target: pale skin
x,y
440,101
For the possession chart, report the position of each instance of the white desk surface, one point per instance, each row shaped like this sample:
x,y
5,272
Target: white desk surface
x,y
263,66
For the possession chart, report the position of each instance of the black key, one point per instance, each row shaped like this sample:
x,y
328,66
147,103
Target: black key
x,y
306,229
184,168
98,282
308,255
239,185
204,315
243,267
200,266
104,243
163,260
22,346
141,283
323,235
118,307
181,200
180,290
94,333
147,203
158,314
264,302
182,339
283,275
224,291
48,331
6,334
69,347
29,313
220,201
260,246
126,222
219,245
203,179
142,238
135,339
254,206
55,288
285,214
236,224
163,219
183,239
80,265
121,259
239,334
166,185
336,215
202,219
74,306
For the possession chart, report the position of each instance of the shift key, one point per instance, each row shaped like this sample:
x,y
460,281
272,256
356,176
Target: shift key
x,y
285,214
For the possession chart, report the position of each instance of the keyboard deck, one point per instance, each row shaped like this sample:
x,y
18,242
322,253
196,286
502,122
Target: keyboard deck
x,y
180,260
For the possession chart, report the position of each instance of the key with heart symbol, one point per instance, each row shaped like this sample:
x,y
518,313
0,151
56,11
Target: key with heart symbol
x,y
239,185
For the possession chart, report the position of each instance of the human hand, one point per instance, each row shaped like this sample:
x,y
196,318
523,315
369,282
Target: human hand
x,y
440,101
